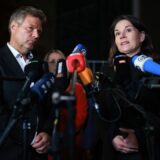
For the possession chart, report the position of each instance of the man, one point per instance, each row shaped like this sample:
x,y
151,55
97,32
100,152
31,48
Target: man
x,y
25,26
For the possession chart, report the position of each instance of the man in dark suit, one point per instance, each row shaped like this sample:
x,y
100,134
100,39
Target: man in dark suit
x,y
25,26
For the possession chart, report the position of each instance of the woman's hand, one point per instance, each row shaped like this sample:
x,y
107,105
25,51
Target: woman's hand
x,y
128,144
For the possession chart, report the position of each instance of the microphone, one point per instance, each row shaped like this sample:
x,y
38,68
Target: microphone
x,y
122,69
80,48
36,93
39,90
86,76
76,60
87,79
62,80
33,70
146,64
61,68
42,86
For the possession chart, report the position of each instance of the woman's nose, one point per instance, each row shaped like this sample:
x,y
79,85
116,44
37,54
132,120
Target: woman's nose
x,y
123,34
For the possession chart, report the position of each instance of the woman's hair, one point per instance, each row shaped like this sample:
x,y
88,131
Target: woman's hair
x,y
146,47
57,51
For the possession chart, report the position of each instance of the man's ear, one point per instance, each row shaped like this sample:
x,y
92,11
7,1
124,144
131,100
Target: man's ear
x,y
13,25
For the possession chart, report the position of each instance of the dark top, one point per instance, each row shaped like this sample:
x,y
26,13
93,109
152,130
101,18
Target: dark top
x,y
126,96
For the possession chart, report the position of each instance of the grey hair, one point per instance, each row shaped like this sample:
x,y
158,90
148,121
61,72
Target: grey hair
x,y
20,14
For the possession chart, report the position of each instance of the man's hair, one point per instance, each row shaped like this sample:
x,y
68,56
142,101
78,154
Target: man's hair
x,y
20,14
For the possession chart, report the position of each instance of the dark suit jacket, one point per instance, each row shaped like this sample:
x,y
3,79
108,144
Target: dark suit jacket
x,y
11,83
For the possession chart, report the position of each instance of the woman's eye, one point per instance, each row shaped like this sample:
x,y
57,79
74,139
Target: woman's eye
x,y
117,33
128,29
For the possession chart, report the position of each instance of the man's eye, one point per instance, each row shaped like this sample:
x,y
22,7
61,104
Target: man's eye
x,y
29,29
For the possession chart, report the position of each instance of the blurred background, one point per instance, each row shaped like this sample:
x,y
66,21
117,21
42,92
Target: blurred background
x,y
85,21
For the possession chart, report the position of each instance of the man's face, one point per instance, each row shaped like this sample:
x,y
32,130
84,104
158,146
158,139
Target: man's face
x,y
25,35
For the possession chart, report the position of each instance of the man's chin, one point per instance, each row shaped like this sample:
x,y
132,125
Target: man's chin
x,y
30,47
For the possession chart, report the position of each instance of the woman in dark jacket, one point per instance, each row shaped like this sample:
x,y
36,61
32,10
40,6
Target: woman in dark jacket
x,y
138,101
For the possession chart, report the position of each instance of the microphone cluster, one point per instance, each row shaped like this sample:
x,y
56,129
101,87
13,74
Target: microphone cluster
x,y
76,60
33,71
85,74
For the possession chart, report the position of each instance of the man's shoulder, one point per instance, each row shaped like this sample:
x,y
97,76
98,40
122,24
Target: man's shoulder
x,y
3,51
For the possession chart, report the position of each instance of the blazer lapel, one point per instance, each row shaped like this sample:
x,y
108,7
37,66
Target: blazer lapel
x,y
9,61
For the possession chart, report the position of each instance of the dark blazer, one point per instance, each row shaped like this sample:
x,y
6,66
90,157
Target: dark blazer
x,y
11,83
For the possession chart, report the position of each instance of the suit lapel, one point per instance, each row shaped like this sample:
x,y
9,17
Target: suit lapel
x,y
9,61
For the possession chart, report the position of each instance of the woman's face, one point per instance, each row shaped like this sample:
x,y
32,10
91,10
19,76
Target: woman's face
x,y
53,59
127,38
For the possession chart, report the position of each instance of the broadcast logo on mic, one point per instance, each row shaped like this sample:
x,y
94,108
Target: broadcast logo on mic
x,y
42,86
146,64
62,80
80,48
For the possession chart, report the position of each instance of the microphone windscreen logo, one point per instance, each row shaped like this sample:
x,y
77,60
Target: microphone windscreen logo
x,y
80,48
61,68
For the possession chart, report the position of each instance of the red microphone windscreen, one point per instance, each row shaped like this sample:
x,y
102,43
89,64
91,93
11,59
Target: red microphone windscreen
x,y
75,61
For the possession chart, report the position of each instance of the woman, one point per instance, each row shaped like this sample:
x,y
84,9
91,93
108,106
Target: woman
x,y
129,37
126,96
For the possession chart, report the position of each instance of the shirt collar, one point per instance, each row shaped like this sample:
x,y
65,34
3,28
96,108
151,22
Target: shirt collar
x,y
18,54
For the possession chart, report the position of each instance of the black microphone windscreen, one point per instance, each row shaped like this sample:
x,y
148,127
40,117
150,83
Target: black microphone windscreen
x,y
34,69
122,67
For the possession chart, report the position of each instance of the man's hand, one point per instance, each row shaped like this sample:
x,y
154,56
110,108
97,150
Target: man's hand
x,y
42,142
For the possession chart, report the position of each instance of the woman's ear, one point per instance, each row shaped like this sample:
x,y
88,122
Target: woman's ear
x,y
142,36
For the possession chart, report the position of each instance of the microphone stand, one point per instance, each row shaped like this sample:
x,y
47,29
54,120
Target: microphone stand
x,y
16,115
71,118
18,110
55,135
26,127
152,122
69,100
